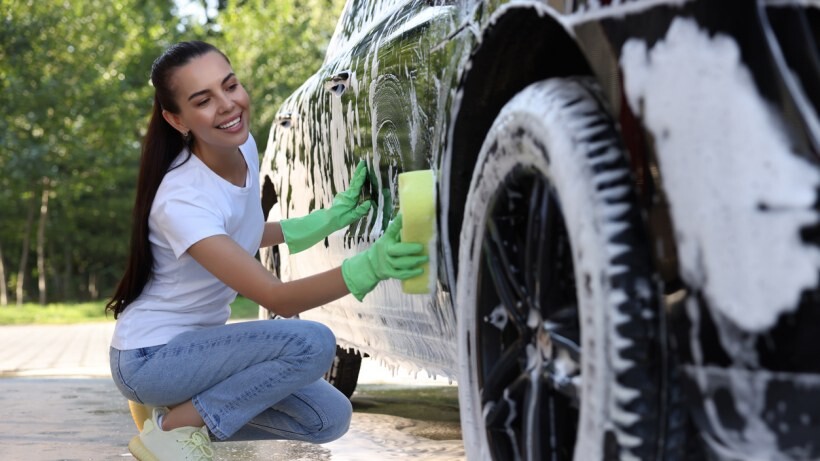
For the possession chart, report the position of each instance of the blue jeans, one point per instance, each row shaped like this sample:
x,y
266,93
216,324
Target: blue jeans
x,y
248,381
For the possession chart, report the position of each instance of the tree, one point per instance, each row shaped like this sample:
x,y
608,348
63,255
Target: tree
x,y
75,93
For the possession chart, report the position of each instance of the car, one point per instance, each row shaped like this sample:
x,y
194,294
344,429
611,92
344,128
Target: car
x,y
627,217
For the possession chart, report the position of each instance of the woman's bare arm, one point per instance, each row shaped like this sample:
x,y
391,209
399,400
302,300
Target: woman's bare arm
x,y
228,262
272,235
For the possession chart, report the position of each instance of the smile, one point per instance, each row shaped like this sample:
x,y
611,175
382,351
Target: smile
x,y
230,124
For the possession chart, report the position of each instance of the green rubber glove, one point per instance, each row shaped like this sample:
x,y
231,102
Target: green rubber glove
x,y
387,258
302,233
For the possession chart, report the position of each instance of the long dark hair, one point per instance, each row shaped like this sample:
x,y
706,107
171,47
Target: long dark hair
x,y
161,145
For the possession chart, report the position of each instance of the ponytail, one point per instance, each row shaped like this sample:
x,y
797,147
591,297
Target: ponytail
x,y
161,145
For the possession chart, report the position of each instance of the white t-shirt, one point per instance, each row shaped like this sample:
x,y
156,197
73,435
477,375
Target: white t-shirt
x,y
192,203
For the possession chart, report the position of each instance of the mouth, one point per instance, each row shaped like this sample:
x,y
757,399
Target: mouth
x,y
231,124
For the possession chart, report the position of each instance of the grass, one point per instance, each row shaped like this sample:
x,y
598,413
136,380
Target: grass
x,y
28,314
244,308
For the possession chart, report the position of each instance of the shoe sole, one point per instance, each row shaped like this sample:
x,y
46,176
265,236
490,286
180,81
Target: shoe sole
x,y
139,451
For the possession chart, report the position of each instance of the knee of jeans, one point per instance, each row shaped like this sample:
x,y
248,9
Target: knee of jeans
x,y
325,341
338,426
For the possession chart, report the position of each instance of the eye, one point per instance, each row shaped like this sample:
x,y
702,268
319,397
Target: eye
x,y
203,102
233,86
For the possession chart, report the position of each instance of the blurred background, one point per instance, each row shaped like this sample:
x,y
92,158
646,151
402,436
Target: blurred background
x,y
75,97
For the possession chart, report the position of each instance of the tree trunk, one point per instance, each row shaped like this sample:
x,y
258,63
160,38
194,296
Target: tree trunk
x,y
92,286
56,283
4,297
41,242
68,272
21,271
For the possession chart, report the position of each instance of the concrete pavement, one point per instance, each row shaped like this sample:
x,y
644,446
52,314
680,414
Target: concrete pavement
x,y
55,350
57,402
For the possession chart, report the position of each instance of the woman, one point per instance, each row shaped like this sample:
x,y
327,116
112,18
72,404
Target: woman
x,y
197,224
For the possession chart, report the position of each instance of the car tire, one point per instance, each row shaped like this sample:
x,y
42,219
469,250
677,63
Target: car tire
x,y
344,372
560,353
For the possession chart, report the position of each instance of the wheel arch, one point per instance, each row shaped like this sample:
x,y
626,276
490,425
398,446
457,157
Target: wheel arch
x,y
520,45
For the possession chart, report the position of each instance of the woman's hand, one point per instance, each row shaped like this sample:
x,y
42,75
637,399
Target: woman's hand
x,y
302,233
388,258
347,207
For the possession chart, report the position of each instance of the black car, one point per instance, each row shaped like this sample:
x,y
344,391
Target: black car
x,y
628,237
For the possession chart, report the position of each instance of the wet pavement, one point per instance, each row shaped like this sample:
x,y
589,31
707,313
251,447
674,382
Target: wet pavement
x,y
57,402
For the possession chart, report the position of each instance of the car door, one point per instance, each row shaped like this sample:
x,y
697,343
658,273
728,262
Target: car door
x,y
374,99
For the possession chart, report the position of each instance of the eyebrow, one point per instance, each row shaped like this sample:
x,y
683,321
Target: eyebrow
x,y
198,93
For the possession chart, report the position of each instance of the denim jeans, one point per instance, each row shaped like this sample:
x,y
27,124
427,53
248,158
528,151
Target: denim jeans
x,y
248,381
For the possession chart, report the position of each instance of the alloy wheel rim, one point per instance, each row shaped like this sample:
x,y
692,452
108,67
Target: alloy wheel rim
x,y
527,328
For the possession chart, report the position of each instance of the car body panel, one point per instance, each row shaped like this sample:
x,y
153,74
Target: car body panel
x,y
386,116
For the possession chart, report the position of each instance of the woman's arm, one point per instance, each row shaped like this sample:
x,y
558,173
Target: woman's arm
x,y
272,235
228,262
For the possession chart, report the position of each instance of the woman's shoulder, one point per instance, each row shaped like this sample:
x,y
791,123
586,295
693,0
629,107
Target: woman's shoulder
x,y
186,182
183,200
250,150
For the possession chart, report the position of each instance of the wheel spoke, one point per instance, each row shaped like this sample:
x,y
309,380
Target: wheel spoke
x,y
503,372
501,413
502,272
559,286
562,421
537,263
563,329
562,368
531,436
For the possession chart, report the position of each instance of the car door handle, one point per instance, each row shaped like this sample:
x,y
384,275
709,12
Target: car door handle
x,y
285,119
338,83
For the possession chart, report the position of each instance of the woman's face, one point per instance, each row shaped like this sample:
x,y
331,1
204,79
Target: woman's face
x,y
213,105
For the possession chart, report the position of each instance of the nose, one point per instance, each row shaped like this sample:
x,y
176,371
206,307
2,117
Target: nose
x,y
226,103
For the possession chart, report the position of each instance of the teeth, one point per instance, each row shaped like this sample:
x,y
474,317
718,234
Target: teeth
x,y
230,124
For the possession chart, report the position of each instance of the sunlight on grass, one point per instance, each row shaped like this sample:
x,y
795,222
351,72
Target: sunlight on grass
x,y
29,313
53,313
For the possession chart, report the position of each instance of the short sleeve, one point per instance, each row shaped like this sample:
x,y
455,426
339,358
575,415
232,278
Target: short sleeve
x,y
185,220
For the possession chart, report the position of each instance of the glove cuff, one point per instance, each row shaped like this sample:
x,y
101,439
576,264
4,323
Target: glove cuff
x,y
304,232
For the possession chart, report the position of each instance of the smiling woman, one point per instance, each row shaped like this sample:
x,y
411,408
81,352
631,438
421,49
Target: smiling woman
x,y
198,222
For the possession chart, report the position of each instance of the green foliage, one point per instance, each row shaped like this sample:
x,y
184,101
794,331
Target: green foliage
x,y
60,313
75,97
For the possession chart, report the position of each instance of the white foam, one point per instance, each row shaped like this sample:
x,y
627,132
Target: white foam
x,y
738,194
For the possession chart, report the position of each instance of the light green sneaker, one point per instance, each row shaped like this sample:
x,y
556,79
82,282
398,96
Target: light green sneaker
x,y
181,444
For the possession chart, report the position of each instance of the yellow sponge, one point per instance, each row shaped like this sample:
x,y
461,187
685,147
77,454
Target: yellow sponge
x,y
417,204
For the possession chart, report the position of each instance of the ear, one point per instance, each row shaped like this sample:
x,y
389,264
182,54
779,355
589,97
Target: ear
x,y
175,121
